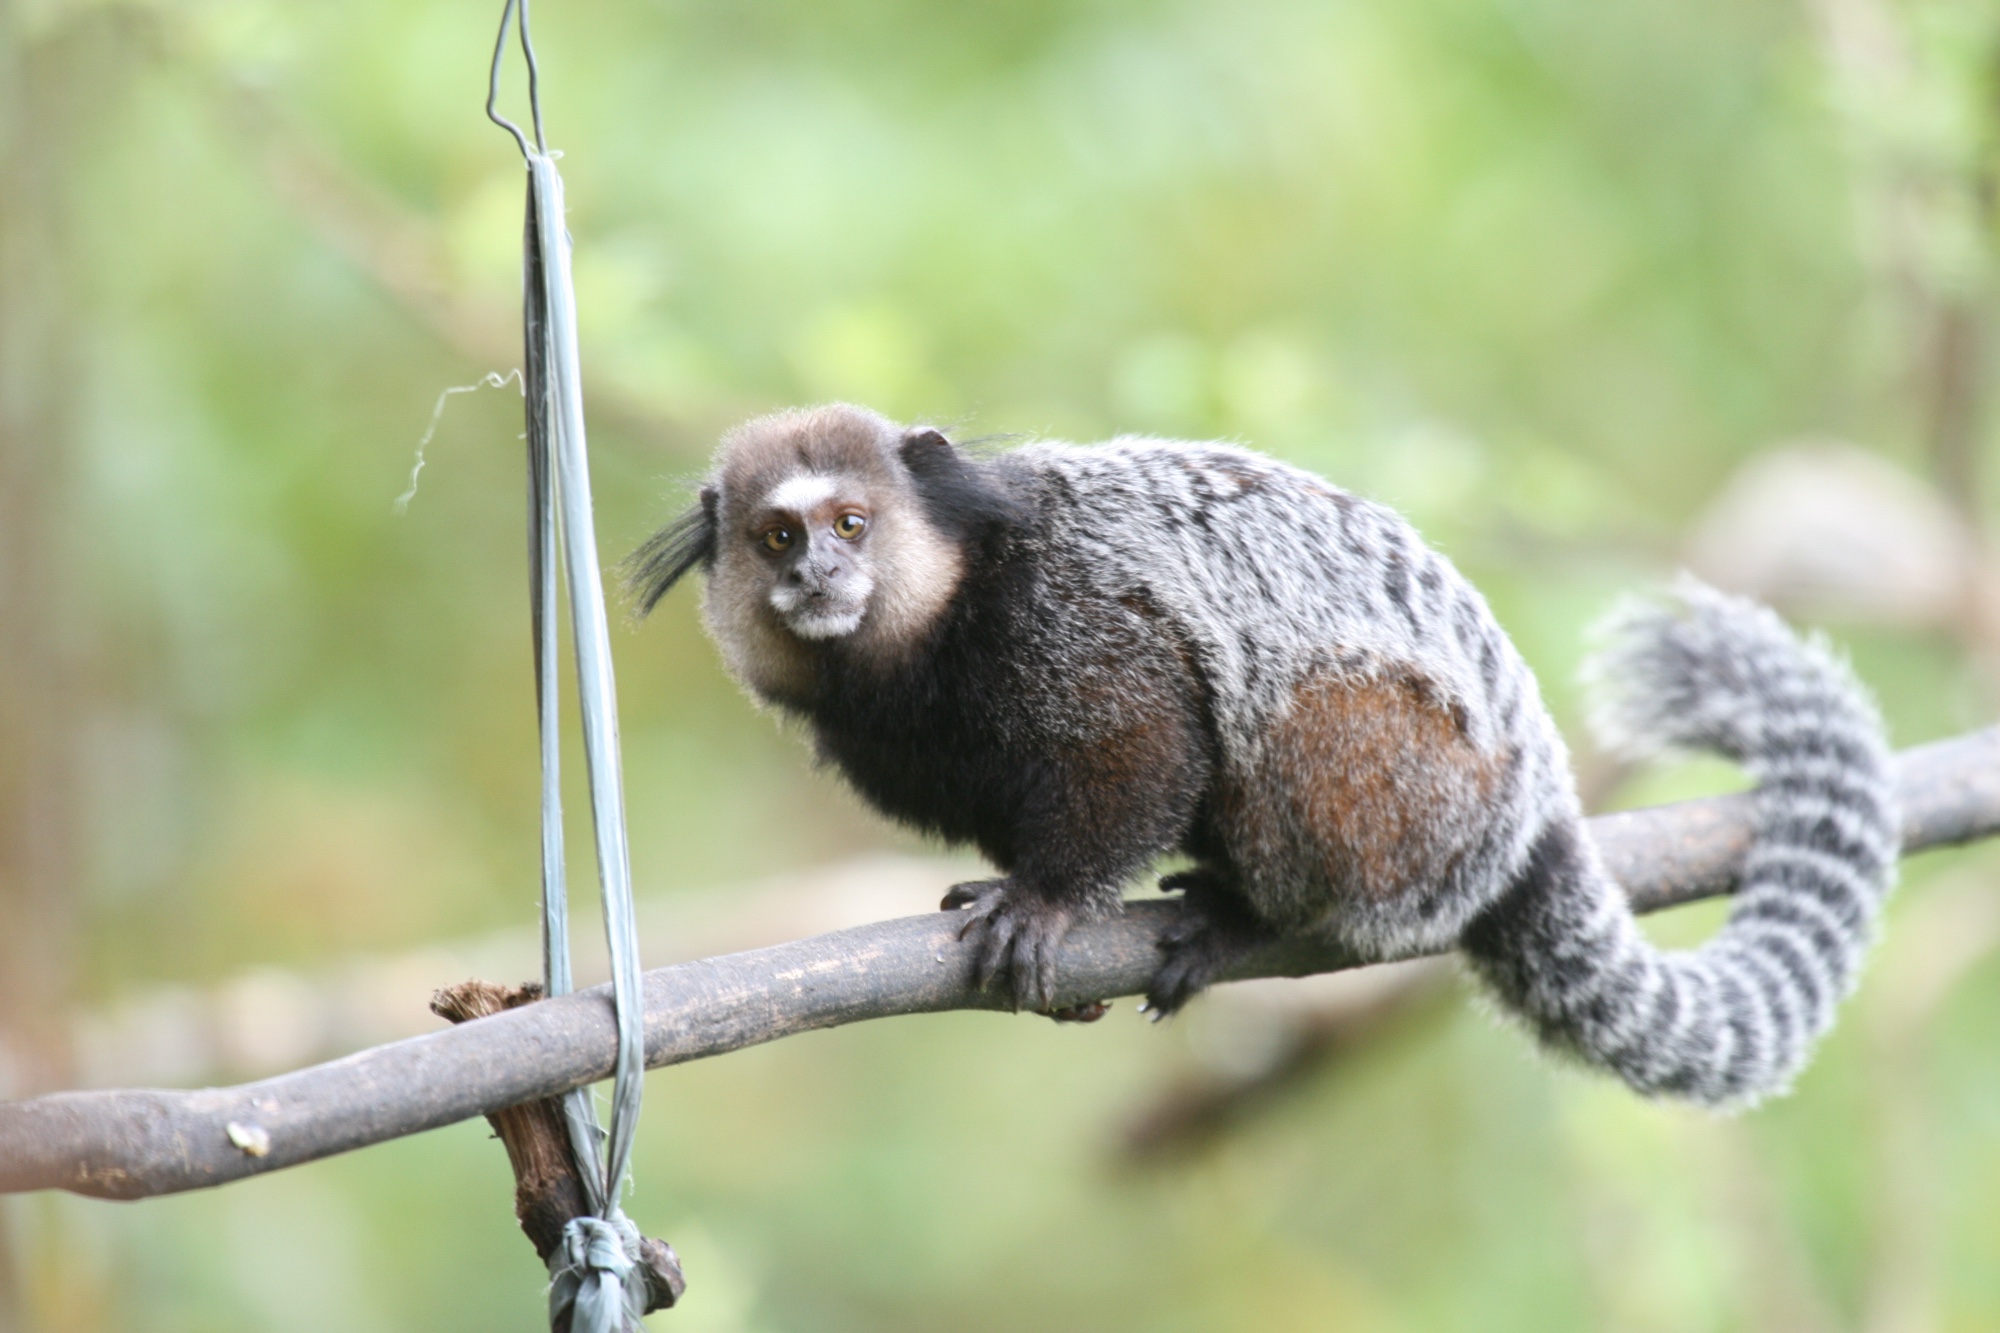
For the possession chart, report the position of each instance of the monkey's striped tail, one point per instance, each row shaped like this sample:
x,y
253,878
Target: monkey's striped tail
x,y
1736,1019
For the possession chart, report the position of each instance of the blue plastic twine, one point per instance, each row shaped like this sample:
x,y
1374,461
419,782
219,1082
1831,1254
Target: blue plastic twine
x,y
595,1276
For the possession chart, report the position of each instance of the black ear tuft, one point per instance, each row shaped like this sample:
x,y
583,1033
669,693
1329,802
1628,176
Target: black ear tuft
x,y
671,552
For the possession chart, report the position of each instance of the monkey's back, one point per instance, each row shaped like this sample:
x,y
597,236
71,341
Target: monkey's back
x,y
1309,612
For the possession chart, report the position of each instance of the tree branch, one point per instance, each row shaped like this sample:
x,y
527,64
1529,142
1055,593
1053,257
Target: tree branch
x,y
131,1144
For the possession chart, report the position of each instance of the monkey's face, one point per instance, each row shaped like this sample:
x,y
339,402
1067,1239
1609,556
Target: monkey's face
x,y
819,537
809,541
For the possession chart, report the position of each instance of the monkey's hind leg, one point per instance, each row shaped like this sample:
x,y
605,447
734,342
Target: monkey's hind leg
x,y
1216,928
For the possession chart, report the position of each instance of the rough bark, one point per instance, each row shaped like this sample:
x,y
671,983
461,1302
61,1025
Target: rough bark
x,y
130,1144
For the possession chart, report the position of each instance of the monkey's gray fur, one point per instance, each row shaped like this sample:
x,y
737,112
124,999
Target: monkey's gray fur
x,y
1083,657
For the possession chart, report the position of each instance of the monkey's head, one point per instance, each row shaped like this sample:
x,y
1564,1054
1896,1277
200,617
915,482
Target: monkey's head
x,y
816,526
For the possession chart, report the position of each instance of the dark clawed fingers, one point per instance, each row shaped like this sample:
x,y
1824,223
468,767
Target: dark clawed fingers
x,y
996,953
1196,948
1177,982
1018,934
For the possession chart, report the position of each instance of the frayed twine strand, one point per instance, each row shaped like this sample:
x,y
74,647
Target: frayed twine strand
x,y
492,379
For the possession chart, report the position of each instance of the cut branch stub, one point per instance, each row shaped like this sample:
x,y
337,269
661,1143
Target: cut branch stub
x,y
548,1190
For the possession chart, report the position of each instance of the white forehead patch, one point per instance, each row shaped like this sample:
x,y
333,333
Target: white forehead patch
x,y
803,493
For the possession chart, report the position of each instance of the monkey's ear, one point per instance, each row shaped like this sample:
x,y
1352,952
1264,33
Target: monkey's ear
x,y
923,444
958,494
671,552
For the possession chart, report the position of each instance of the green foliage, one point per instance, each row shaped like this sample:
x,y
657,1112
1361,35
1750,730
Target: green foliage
x,y
1543,272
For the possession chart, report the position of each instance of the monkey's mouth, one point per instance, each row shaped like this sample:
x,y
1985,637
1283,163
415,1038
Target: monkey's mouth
x,y
815,613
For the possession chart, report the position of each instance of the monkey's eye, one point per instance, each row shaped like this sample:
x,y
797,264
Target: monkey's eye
x,y
849,526
777,539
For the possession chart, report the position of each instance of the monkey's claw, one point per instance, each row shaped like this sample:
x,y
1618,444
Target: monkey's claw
x,y
985,893
1018,934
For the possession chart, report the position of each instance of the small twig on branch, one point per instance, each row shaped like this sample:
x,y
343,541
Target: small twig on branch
x,y
548,1190
130,1144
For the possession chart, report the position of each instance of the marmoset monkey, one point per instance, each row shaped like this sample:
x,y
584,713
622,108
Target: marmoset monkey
x,y
1078,659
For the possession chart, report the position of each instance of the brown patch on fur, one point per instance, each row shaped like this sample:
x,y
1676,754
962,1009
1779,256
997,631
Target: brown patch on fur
x,y
1367,785
1135,777
1119,765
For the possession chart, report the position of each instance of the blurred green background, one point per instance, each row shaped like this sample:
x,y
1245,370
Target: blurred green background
x,y
1545,273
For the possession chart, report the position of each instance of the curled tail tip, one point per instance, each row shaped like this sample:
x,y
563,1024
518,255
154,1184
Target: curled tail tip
x,y
1645,678
1703,669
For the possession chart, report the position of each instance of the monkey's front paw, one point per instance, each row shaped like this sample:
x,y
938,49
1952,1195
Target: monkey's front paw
x,y
1018,932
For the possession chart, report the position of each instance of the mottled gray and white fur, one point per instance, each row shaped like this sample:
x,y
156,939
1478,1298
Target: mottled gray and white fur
x,y
1080,658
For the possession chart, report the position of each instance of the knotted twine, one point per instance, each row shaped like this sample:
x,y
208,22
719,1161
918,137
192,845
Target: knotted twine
x,y
594,1275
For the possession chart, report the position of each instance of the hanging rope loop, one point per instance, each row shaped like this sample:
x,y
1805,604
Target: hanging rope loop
x,y
534,82
596,1274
